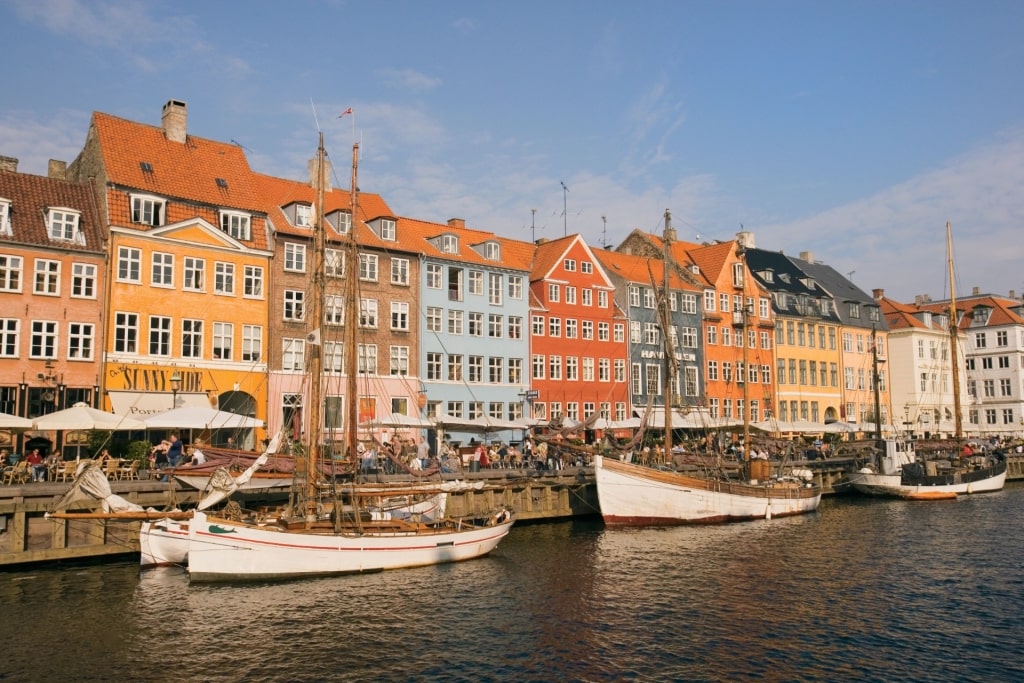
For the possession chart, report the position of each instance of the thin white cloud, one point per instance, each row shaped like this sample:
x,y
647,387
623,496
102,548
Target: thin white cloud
x,y
34,140
409,79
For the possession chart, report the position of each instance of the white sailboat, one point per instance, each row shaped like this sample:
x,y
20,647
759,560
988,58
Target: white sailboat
x,y
311,539
637,495
898,473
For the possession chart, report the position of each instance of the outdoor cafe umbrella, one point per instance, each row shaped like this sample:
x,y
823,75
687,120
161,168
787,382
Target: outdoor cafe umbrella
x,y
8,421
83,417
397,421
198,417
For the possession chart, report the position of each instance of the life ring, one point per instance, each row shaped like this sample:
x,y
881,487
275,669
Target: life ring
x,y
502,516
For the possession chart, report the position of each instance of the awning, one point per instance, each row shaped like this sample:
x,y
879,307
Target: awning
x,y
143,404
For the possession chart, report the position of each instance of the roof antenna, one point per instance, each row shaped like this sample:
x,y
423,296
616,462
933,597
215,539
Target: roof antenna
x,y
604,231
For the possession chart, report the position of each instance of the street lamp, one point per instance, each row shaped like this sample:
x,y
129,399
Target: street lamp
x,y
175,385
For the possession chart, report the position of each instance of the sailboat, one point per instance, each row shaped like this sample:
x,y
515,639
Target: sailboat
x,y
317,538
637,495
898,473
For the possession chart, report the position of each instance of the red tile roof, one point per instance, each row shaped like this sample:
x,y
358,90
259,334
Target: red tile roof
x,y
32,195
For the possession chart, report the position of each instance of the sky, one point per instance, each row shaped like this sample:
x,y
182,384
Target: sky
x,y
853,130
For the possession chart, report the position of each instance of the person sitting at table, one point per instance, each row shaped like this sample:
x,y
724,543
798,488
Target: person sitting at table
x,y
103,457
35,461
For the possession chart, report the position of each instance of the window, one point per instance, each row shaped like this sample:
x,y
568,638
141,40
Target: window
x,y
368,314
295,257
433,365
537,326
572,369
236,224
399,271
648,297
604,370
476,369
515,370
553,293
80,341
455,284
620,370
194,274
9,337
303,215
494,288
252,343
159,335
334,263
570,295
515,287
253,282
492,251
223,340
476,324
293,354
603,330
979,340
344,220
515,327
399,316
476,282
62,224
586,267
223,278
294,305
5,218
602,299
1001,338
495,324
495,370
588,329
334,357
555,367
449,244
433,316
620,333
126,332
147,210
737,275
554,327
162,269
10,273
191,338
455,364
569,265
539,364
571,328
47,277
588,296
399,361
433,276
456,320
43,343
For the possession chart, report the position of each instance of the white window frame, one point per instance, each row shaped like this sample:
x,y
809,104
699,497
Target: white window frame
x,y
148,209
237,224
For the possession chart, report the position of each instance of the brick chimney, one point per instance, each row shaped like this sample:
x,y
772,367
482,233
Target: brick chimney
x,y
8,164
175,121
878,293
807,256
456,222
327,173
57,169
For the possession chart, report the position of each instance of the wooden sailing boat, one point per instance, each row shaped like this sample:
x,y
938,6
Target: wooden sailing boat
x,y
898,473
631,494
313,539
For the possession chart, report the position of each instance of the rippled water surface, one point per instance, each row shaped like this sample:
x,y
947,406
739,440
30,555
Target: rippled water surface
x,y
863,590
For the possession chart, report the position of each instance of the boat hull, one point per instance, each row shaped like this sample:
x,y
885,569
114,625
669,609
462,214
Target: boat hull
x,y
631,495
259,481
937,487
220,550
163,542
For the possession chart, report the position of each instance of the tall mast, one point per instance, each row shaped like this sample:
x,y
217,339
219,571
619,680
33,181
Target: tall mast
x,y
352,316
315,348
877,385
953,336
741,252
666,328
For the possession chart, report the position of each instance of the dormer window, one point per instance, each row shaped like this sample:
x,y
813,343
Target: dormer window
x,y
492,251
62,223
5,217
449,244
236,224
303,215
768,275
387,230
981,315
148,210
854,309
343,221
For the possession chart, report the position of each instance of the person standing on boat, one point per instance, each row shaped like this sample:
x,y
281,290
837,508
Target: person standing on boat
x,y
174,452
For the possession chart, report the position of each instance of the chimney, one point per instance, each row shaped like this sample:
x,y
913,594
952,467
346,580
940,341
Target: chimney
x,y
57,169
175,121
8,164
878,294
746,239
807,256
919,299
1013,294
456,222
311,166
975,291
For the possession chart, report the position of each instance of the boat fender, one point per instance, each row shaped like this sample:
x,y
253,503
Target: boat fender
x,y
502,516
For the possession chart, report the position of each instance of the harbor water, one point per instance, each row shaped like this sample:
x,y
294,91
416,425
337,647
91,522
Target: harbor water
x,y
862,590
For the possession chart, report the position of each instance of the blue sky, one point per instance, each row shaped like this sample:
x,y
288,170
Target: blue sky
x,y
853,130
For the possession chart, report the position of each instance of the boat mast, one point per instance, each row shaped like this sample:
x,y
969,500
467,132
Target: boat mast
x,y
315,366
874,378
666,328
744,314
352,317
954,328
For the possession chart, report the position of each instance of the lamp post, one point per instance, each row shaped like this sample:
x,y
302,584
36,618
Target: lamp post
x,y
175,385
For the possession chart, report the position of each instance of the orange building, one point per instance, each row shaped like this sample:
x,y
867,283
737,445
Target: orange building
x,y
186,300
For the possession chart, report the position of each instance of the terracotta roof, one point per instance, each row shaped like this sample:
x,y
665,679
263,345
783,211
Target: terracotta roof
x,y
638,269
1001,314
32,195
198,170
417,235
901,316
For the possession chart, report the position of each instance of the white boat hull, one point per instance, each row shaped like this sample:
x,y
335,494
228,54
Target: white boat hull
x,y
199,481
220,550
891,486
163,542
634,495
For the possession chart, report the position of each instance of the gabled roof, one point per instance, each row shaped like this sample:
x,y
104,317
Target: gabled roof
x,y
640,270
32,196
188,171
550,254
787,275
900,316
842,290
1001,314
418,235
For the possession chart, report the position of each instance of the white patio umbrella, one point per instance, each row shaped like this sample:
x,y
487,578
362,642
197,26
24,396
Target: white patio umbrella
x,y
82,416
397,421
8,421
193,417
